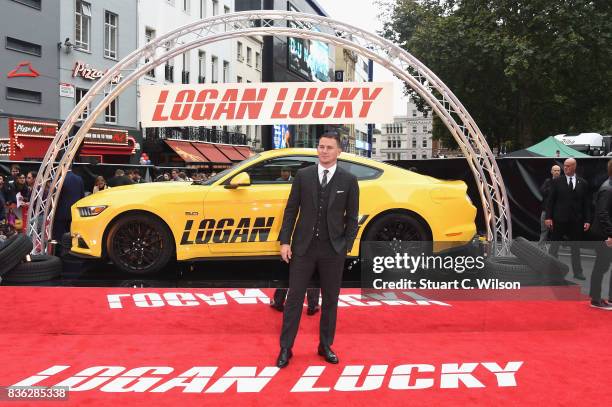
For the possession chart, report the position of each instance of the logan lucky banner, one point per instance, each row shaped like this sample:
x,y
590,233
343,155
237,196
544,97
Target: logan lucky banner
x,y
266,103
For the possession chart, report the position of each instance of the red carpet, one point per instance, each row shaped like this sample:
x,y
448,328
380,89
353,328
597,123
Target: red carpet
x,y
205,346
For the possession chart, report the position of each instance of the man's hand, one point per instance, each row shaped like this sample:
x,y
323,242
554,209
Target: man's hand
x,y
587,226
286,252
609,242
548,223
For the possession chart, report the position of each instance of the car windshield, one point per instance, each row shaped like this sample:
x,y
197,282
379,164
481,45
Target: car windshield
x,y
223,173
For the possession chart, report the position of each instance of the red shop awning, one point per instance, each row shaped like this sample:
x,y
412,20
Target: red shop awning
x,y
230,152
244,151
186,151
211,152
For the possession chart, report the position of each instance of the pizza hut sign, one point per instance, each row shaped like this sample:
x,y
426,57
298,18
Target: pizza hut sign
x,y
86,71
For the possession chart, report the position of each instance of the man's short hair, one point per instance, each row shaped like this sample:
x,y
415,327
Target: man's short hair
x,y
119,172
334,135
610,168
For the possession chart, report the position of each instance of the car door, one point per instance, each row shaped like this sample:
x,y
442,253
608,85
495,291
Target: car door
x,y
246,221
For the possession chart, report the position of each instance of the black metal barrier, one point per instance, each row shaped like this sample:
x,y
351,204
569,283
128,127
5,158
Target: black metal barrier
x,y
522,178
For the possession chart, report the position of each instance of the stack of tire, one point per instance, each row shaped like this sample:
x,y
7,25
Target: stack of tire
x,y
17,267
529,266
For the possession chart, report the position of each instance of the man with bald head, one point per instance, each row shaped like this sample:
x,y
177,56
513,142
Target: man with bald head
x,y
555,171
568,213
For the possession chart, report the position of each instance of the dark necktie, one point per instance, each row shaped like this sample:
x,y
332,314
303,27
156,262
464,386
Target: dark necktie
x,y
324,181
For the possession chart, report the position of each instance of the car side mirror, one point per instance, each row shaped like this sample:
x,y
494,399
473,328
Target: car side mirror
x,y
241,180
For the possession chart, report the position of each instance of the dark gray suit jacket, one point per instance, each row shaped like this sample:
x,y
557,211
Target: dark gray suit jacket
x,y
342,210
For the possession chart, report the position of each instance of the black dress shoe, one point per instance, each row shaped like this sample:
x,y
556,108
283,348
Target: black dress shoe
x,y
312,311
579,276
278,307
328,354
283,357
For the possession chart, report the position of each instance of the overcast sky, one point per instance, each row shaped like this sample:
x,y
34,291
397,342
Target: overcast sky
x,y
364,14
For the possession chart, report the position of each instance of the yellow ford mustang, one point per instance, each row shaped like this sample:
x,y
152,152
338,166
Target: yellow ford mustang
x,y
238,213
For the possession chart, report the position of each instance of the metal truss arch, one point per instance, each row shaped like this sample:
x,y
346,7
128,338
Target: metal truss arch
x,y
443,102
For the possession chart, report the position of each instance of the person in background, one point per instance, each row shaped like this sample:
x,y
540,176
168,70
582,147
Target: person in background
x,y
100,184
119,179
174,175
72,190
135,177
568,213
2,200
602,232
555,171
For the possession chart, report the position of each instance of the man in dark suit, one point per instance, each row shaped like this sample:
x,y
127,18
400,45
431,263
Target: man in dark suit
x,y
568,213
602,232
327,199
555,171
72,190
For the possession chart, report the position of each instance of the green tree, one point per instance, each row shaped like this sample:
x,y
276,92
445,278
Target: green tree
x,y
524,69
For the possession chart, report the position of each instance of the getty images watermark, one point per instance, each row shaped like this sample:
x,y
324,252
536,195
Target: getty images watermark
x,y
429,266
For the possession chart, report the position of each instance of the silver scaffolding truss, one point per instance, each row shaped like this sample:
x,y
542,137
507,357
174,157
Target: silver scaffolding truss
x,y
443,102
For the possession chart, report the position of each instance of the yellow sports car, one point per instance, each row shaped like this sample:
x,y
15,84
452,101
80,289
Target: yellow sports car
x,y
238,213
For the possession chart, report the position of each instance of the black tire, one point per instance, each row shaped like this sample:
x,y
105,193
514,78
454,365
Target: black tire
x,y
511,269
139,244
399,227
41,268
13,251
550,268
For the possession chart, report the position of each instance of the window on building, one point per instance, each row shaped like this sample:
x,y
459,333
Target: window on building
x,y
202,8
249,56
248,81
424,156
201,67
214,66
23,46
424,128
111,21
82,25
31,3
414,156
399,143
110,113
185,73
239,54
373,151
169,69
414,129
414,113
257,61
239,79
414,142
425,143
389,143
186,6
226,72
149,36
79,93
23,95
215,7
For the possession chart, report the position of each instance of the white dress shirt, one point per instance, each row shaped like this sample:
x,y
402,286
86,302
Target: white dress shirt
x,y
571,181
330,174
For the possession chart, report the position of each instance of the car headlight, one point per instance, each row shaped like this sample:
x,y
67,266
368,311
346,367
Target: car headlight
x,y
88,211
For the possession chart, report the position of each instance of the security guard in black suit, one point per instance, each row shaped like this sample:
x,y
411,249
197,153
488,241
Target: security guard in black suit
x,y
568,212
327,199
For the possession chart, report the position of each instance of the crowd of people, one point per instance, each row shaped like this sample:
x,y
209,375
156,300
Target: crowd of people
x,y
15,193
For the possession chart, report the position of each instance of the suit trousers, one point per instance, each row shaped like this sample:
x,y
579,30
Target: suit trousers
x,y
601,267
320,256
574,232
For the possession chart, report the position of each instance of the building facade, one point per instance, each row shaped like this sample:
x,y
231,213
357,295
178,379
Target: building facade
x,y
247,65
73,44
292,60
409,137
210,64
29,77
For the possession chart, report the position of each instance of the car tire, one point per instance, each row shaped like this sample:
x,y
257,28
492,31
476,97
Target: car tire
x,y
13,251
398,227
511,269
139,244
550,268
40,268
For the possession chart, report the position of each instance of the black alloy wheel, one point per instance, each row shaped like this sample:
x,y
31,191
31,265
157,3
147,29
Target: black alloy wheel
x,y
139,244
397,227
